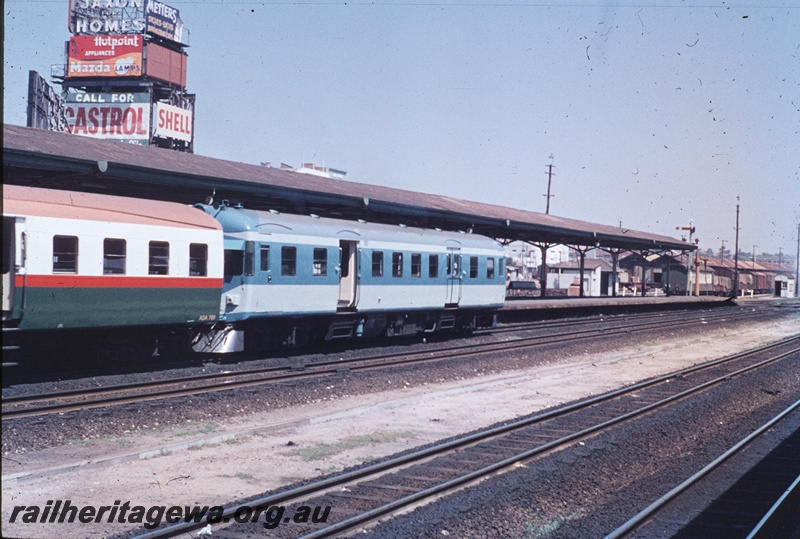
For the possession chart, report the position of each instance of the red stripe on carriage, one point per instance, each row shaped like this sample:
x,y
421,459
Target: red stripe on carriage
x,y
116,281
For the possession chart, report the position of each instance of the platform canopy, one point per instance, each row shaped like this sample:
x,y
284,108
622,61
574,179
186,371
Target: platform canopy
x,y
61,161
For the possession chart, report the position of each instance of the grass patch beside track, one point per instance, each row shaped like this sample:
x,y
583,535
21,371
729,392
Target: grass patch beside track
x,y
325,450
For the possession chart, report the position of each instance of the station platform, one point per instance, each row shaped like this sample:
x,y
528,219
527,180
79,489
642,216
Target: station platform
x,y
627,301
518,308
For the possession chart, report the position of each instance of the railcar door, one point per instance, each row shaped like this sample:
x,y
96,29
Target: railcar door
x,y
454,277
9,266
348,274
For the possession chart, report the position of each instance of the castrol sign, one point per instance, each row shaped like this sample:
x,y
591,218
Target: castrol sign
x,y
116,116
173,122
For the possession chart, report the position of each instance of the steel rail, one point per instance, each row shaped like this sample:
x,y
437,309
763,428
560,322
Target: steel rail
x,y
305,491
320,369
637,520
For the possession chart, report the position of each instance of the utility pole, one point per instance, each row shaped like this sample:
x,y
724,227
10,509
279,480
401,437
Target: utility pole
x,y
754,256
691,230
722,252
797,265
736,256
549,181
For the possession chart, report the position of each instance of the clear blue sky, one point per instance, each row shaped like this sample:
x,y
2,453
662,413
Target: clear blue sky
x,y
656,112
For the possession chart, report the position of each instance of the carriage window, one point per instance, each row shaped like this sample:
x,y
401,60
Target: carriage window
x,y
265,258
473,267
344,260
8,244
198,259
159,258
249,258
490,268
433,266
416,265
113,257
234,262
65,254
320,261
397,264
377,263
289,261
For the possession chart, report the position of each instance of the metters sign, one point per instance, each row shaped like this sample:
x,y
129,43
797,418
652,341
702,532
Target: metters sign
x,y
163,21
117,116
106,16
173,122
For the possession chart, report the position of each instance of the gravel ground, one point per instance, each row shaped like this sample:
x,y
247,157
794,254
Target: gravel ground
x,y
363,417
595,486
35,434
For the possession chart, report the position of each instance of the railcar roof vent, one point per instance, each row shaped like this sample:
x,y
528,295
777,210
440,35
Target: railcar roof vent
x,y
362,221
274,212
314,216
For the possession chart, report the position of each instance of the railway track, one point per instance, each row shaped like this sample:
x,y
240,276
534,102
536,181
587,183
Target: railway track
x,y
104,396
779,520
364,495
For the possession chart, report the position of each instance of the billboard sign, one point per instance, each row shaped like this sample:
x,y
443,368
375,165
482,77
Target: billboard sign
x,y
116,116
106,16
173,122
165,64
105,56
163,21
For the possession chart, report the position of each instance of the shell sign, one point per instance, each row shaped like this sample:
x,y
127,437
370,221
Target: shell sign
x,y
105,56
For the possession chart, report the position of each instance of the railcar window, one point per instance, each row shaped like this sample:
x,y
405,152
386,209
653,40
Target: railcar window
x,y
453,265
289,261
159,258
65,254
433,266
198,259
490,268
344,260
397,264
377,263
416,265
113,257
473,267
8,244
249,258
264,257
320,261
234,262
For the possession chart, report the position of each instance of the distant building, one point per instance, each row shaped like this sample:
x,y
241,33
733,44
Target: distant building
x,y
598,277
315,170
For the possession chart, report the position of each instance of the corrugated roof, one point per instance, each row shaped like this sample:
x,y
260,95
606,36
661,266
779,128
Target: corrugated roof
x,y
58,160
33,201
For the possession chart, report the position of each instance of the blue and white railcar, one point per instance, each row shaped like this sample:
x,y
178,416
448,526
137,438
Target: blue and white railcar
x,y
291,278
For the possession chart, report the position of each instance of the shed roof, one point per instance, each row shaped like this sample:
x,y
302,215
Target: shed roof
x,y
588,264
59,160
